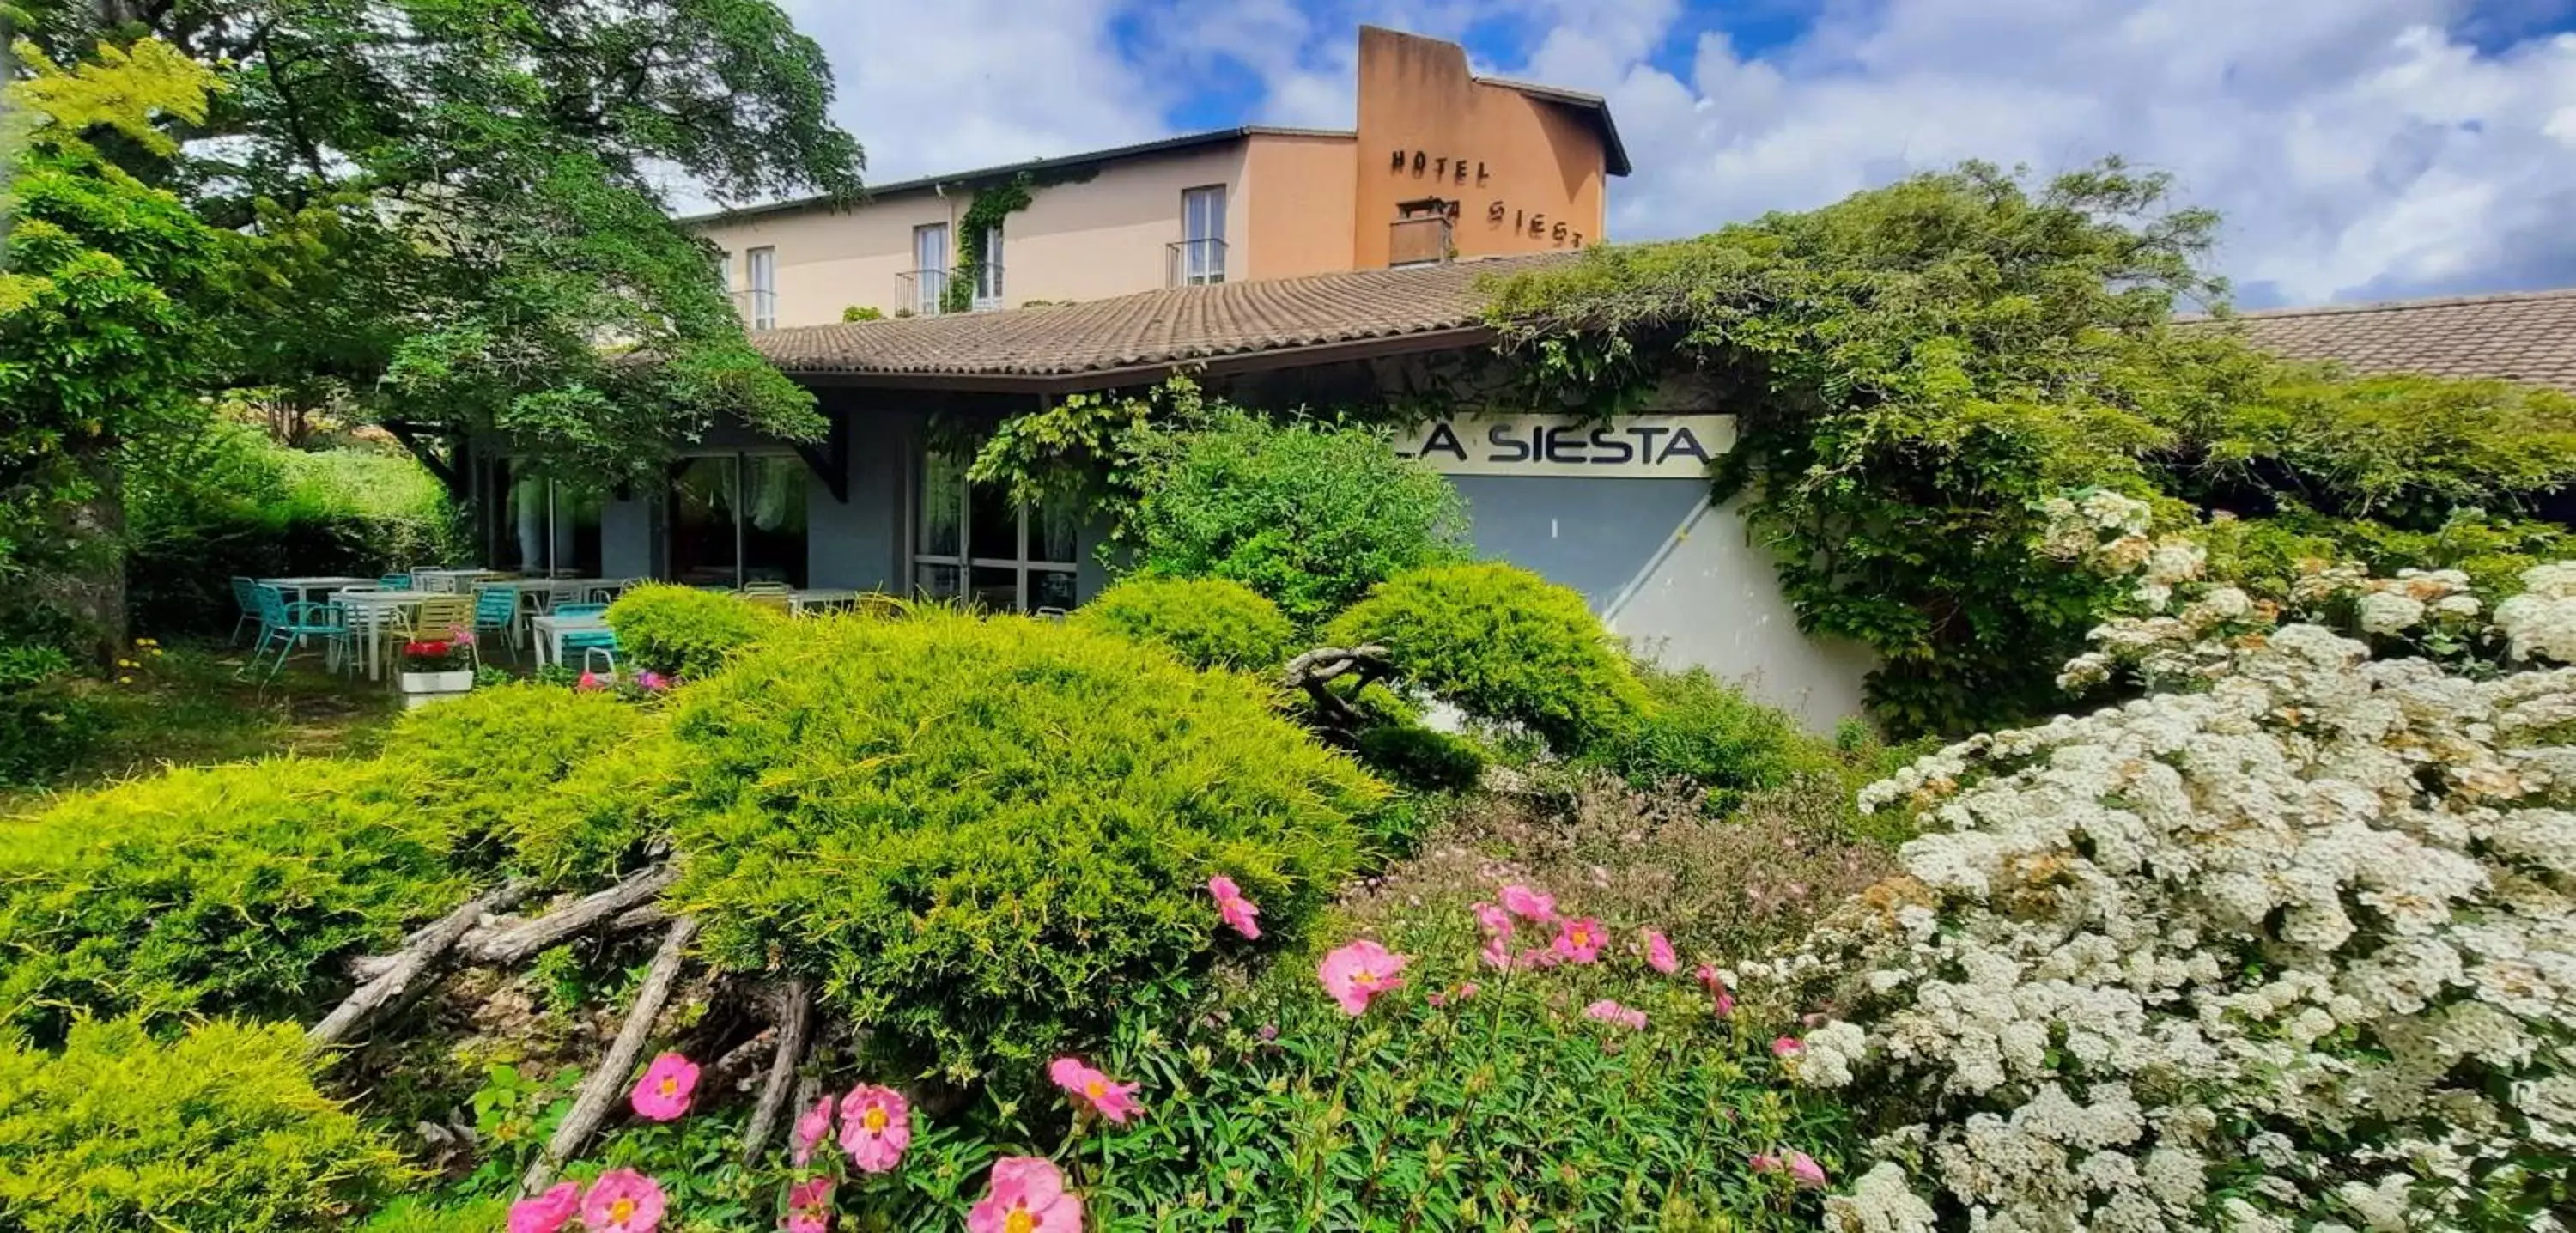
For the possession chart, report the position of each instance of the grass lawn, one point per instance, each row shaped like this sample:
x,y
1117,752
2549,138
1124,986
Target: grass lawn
x,y
184,707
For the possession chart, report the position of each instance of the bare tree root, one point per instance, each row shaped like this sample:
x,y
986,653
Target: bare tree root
x,y
395,979
795,1029
599,1090
508,942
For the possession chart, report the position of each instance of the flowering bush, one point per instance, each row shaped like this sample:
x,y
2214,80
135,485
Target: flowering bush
x,y
1208,622
218,1131
2288,940
453,653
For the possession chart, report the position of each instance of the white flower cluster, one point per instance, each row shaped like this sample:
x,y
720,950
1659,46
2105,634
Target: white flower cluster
x,y
2542,620
2295,948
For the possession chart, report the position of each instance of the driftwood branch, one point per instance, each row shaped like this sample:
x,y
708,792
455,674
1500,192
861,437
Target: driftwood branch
x,y
403,975
599,1090
795,1027
1316,670
507,942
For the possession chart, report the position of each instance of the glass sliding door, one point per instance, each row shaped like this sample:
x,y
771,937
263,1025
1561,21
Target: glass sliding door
x,y
972,542
773,519
706,501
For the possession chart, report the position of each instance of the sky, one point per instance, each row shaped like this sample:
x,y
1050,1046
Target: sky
x,y
2356,149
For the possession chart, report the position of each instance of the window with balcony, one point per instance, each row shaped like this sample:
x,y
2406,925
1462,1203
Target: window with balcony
x,y
763,305
926,285
988,276
1200,256
971,541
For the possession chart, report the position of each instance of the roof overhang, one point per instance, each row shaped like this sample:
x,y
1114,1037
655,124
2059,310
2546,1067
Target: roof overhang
x,y
1313,355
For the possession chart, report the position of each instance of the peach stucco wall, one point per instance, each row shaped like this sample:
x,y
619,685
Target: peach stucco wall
x,y
1077,241
1538,161
1300,187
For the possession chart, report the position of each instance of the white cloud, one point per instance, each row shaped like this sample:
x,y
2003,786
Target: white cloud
x,y
2356,147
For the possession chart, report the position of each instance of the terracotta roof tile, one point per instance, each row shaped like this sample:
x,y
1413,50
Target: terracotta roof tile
x,y
1153,328
2526,336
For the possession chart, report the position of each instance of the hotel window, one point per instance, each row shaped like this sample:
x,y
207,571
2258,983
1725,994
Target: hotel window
x,y
929,268
988,276
764,288
971,541
737,518
1203,235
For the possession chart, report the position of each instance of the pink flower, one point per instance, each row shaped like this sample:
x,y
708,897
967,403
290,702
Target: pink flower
x,y
1529,904
1539,957
1233,908
1722,999
810,1129
809,1206
1357,973
1659,953
1027,1195
461,637
1498,955
1805,1171
1788,1047
1496,922
547,1212
589,681
1608,1011
876,1125
1579,940
1093,1090
1764,1162
651,682
1467,990
622,1201
663,1093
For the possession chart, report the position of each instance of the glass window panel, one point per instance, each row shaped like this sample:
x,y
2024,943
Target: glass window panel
x,y
773,519
943,503
1053,534
704,501
1051,588
992,523
577,544
996,587
935,581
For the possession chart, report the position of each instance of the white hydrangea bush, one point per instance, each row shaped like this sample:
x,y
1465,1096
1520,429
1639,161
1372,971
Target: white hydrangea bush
x,y
2287,943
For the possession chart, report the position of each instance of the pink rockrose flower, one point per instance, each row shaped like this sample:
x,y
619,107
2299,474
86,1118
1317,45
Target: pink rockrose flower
x,y
876,1125
547,1212
809,1206
1608,1011
1786,1047
1721,998
1659,953
1498,954
1357,973
1804,1170
1539,957
1530,905
809,1221
663,1093
1233,908
1093,1090
812,1127
589,682
1579,941
1764,1162
1467,989
1027,1195
651,682
1496,922
622,1201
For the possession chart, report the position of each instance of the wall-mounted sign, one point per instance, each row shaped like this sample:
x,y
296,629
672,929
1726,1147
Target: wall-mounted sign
x,y
1628,447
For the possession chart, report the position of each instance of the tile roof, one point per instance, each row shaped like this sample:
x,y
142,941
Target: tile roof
x,y
1075,344
2526,336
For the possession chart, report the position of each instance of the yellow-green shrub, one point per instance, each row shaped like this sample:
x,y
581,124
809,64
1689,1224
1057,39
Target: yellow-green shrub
x,y
1208,622
987,838
683,631
600,821
237,888
1500,643
217,1131
475,766
1704,731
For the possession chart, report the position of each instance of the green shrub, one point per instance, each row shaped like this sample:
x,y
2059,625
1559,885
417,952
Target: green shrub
x,y
1500,643
45,725
862,312
988,837
1208,622
239,888
1704,731
602,820
219,1130
685,632
1307,514
1422,758
474,767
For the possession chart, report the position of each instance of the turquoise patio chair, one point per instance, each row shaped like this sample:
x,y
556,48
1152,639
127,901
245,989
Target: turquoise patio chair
x,y
592,642
394,582
246,598
285,626
496,610
580,610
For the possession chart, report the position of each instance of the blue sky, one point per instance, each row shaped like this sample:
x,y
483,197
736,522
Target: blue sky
x,y
2357,149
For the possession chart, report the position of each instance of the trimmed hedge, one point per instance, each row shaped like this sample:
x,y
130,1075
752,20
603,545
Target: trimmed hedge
x,y
1425,759
1208,622
987,839
239,888
477,768
217,1131
685,632
1501,643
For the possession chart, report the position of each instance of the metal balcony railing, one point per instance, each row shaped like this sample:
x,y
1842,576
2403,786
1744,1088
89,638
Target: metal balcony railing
x,y
1423,240
922,291
1189,263
759,309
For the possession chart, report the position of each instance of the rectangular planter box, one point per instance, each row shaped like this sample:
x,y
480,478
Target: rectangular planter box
x,y
422,688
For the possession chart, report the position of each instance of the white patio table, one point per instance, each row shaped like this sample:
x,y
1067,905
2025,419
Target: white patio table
x,y
374,612
304,589
452,581
798,602
549,632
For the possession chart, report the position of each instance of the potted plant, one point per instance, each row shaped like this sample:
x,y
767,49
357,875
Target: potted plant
x,y
435,668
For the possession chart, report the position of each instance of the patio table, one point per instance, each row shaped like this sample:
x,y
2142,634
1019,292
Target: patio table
x,y
304,588
373,611
549,632
552,591
451,581
819,597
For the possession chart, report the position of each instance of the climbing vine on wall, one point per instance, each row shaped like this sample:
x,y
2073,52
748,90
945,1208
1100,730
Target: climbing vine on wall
x,y
974,236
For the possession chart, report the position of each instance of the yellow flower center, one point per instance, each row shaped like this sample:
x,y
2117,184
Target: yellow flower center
x,y
670,1086
621,1211
1093,1089
1019,1221
874,1119
1364,978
